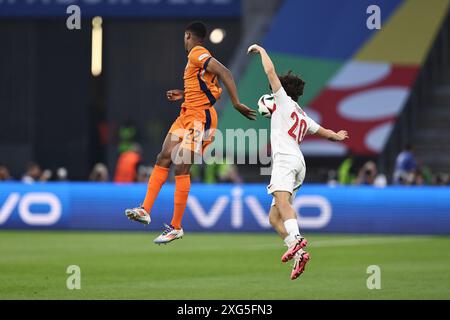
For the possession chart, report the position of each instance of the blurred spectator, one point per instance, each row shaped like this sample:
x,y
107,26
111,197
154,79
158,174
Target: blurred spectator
x,y
332,178
34,173
4,173
216,172
427,174
127,136
442,179
61,174
418,178
367,173
345,171
380,181
405,166
128,164
99,173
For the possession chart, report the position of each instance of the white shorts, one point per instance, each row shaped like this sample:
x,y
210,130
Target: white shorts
x,y
288,173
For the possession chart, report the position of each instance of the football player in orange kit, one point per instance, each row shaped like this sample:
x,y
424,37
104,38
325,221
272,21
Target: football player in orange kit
x,y
192,131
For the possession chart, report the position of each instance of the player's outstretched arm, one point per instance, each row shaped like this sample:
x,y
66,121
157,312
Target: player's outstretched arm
x,y
331,135
175,94
269,68
215,67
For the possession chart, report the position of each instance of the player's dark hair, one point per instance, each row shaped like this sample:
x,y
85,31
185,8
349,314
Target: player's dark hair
x,y
198,29
292,84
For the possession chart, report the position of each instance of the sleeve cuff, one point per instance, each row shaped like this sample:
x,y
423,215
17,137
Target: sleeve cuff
x,y
205,65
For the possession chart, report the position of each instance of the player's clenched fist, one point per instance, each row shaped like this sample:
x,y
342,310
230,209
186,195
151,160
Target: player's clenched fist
x,y
174,95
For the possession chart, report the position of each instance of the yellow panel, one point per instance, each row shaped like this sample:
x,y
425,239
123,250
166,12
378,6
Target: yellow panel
x,y
406,37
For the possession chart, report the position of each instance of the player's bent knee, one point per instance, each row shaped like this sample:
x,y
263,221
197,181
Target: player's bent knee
x,y
163,159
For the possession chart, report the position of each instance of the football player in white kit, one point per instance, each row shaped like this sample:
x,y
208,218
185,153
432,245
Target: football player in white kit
x,y
289,125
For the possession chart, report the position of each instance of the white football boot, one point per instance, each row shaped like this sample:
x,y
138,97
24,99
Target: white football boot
x,y
138,214
297,245
301,258
169,234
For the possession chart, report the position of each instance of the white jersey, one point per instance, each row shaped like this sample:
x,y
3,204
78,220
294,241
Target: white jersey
x,y
289,125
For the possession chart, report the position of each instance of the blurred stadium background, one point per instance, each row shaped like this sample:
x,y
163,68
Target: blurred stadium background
x,y
69,124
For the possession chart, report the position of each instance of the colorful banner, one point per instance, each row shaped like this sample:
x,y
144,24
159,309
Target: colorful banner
x,y
357,78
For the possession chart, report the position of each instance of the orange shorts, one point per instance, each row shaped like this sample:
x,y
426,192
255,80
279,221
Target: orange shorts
x,y
195,128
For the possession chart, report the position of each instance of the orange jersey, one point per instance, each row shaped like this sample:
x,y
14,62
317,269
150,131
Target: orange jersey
x,y
201,88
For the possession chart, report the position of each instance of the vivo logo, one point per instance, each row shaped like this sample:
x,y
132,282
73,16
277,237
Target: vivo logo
x,y
318,202
237,202
23,204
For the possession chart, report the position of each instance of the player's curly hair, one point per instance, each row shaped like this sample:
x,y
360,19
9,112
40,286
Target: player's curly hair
x,y
292,84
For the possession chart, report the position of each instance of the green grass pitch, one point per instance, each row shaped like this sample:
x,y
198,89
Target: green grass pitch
x,y
127,265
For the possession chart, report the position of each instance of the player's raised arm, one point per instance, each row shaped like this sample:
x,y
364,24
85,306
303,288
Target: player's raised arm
x,y
215,67
331,135
269,68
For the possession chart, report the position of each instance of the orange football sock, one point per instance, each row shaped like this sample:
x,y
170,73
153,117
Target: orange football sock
x,y
182,187
157,179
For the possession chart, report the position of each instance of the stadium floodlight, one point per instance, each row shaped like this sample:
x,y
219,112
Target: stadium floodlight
x,y
217,35
96,55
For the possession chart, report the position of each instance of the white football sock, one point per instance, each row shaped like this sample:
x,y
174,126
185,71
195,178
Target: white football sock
x,y
291,226
289,240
